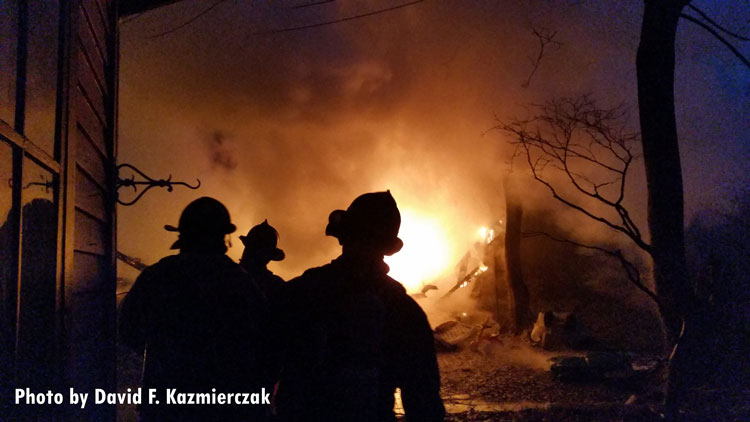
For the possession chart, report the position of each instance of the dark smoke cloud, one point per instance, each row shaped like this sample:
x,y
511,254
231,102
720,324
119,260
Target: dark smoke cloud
x,y
220,151
291,126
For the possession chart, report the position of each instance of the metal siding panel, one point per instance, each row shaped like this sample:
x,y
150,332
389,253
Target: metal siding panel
x,y
87,26
89,76
90,89
91,234
90,197
88,158
89,168
92,45
89,125
97,17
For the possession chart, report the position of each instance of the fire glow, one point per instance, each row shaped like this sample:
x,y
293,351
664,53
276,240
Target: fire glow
x,y
426,253
487,235
482,268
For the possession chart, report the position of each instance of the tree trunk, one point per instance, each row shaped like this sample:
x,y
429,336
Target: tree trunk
x,y
655,63
655,69
518,293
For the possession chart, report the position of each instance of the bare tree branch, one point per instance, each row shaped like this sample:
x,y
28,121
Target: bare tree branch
x,y
569,134
718,36
187,22
544,37
630,269
716,25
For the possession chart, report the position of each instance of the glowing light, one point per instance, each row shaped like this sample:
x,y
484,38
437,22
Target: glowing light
x,y
488,235
483,268
426,253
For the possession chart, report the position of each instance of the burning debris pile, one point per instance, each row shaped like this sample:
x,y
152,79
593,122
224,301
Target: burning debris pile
x,y
565,364
562,298
472,276
476,257
451,336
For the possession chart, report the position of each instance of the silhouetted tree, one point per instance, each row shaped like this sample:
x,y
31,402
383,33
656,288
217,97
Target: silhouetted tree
x,y
655,70
582,154
655,66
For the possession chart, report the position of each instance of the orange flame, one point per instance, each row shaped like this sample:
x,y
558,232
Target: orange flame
x,y
427,251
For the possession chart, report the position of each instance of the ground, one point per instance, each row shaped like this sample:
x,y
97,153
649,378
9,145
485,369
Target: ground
x,y
508,382
512,382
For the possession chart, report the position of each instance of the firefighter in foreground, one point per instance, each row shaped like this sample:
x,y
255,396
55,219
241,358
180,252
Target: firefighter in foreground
x,y
260,249
353,334
199,319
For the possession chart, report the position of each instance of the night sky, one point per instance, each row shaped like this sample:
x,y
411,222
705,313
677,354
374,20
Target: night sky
x,y
291,125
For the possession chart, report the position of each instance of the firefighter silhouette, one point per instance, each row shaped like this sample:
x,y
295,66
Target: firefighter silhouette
x,y
200,320
353,334
260,249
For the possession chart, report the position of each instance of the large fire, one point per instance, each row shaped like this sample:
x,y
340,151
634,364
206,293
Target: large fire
x,y
427,251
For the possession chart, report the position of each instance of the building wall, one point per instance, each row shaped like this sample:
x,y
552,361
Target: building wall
x,y
58,96
90,187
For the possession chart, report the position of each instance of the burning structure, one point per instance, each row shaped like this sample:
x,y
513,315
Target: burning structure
x,y
386,116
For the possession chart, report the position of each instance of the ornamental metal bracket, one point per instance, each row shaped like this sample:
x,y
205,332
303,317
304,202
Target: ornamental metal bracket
x,y
148,182
44,184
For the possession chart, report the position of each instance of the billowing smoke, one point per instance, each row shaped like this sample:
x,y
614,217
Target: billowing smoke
x,y
403,101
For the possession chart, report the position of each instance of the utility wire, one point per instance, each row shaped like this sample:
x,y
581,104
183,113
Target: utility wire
x,y
188,22
317,3
316,25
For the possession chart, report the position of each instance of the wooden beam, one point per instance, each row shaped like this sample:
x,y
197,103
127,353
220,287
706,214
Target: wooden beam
x,y
31,150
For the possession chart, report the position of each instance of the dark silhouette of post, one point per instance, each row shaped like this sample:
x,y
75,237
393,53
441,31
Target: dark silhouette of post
x,y
518,293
